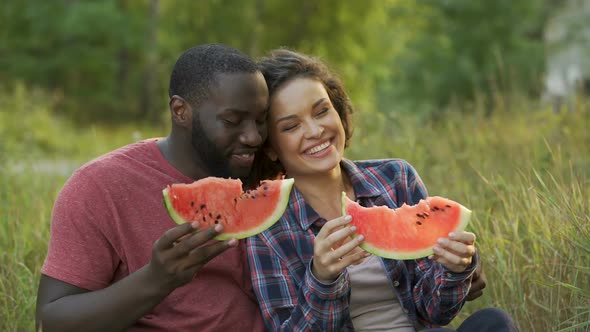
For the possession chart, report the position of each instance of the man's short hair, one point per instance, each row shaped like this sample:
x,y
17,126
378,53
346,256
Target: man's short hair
x,y
195,71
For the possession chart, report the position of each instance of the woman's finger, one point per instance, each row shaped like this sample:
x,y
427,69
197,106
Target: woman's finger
x,y
340,237
352,259
462,236
331,225
457,248
451,261
332,234
348,247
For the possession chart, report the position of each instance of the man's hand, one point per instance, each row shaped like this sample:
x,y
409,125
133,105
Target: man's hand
x,y
182,251
478,283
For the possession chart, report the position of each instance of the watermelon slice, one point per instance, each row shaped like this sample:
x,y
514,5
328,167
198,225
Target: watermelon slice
x,y
213,200
408,232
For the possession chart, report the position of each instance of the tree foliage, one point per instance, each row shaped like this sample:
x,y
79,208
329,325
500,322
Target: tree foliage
x,y
469,48
111,59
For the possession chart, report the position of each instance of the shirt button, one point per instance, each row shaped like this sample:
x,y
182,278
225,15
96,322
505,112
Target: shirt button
x,y
396,283
449,275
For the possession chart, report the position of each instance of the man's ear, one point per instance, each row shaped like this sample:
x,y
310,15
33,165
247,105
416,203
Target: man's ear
x,y
182,111
270,153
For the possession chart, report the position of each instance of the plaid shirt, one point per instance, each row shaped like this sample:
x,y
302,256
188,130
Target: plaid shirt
x,y
292,299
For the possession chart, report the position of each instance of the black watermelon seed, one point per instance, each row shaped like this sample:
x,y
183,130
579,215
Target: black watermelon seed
x,y
447,205
218,216
204,219
216,222
419,223
203,206
420,215
210,215
265,188
192,203
436,208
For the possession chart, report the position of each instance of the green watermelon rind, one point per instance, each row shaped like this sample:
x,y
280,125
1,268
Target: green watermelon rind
x,y
175,216
465,217
285,192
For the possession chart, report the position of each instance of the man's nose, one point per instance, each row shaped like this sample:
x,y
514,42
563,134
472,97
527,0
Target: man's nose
x,y
251,136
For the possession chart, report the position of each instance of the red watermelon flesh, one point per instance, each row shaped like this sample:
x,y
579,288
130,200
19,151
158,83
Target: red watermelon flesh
x,y
212,201
408,232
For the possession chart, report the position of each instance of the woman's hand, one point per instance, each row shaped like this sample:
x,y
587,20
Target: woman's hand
x,y
328,263
455,252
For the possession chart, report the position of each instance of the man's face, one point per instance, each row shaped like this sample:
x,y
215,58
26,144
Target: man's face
x,y
230,126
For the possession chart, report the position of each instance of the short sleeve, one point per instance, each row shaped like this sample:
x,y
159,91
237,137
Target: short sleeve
x,y
80,252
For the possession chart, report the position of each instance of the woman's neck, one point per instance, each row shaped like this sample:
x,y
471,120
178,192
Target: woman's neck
x,y
324,191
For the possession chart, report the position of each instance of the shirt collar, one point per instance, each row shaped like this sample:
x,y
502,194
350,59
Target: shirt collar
x,y
302,212
361,179
361,182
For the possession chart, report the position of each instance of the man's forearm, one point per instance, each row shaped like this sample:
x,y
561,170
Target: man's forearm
x,y
114,308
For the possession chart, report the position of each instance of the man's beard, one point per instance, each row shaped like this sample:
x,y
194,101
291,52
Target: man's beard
x,y
213,160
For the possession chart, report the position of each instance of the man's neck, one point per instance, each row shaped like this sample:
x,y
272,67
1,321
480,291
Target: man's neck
x,y
182,157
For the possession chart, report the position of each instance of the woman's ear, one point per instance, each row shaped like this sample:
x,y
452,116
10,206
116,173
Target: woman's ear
x,y
271,154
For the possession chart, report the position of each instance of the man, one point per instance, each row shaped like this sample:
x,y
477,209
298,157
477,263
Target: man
x,y
116,260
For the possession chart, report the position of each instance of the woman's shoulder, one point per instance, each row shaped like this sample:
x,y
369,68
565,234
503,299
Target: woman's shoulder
x,y
395,165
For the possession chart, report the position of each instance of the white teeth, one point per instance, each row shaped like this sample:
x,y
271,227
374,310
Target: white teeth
x,y
318,148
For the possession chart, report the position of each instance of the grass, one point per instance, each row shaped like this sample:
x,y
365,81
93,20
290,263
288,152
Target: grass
x,y
526,175
524,172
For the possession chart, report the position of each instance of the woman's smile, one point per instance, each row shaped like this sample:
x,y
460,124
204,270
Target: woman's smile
x,y
318,150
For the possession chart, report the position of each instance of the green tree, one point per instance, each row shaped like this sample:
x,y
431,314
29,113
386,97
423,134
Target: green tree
x,y
83,51
469,48
111,59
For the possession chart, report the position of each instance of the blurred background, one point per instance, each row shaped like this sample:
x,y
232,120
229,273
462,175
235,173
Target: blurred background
x,y
487,99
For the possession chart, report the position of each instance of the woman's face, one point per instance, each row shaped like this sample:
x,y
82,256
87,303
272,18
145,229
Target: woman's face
x,y
305,131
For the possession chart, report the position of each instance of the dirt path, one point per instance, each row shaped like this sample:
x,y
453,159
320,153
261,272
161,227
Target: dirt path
x,y
47,167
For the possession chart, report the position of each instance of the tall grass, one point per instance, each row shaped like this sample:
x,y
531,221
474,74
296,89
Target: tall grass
x,y
525,173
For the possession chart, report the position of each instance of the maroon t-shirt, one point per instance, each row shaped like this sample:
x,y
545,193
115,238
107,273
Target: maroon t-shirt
x,y
105,222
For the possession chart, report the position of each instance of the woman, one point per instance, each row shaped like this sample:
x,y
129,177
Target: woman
x,y
305,273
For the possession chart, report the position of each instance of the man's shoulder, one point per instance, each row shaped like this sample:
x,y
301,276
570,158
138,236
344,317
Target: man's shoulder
x,y
118,159
111,167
